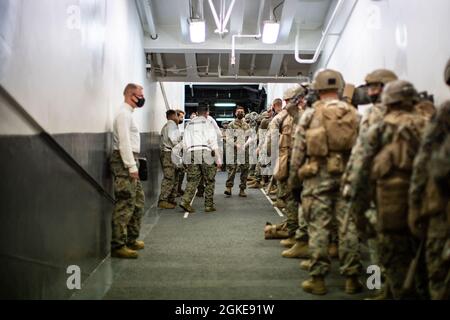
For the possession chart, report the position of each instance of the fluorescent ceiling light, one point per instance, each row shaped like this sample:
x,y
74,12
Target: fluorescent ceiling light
x,y
225,104
224,119
270,32
197,30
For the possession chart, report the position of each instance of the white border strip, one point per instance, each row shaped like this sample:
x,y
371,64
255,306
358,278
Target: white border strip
x,y
271,202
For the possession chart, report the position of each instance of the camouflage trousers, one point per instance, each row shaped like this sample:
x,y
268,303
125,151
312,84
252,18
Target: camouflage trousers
x,y
232,169
169,183
252,170
180,174
129,207
437,268
397,250
323,212
195,174
296,224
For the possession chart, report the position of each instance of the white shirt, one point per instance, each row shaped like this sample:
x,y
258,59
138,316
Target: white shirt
x,y
200,134
170,136
215,125
127,139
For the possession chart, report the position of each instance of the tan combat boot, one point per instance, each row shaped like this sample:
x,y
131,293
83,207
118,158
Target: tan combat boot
x,y
210,209
299,250
333,251
227,191
124,253
273,190
166,205
315,285
280,204
255,185
136,245
288,243
353,285
242,194
305,265
187,207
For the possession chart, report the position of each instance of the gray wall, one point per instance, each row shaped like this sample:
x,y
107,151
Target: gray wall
x,y
66,62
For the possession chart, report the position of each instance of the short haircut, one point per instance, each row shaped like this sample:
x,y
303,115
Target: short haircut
x,y
180,112
278,101
131,87
240,108
170,113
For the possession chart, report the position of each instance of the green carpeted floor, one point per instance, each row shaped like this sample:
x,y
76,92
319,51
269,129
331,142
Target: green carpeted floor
x,y
220,255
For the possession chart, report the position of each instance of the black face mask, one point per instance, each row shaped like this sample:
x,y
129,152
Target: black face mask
x,y
140,103
374,99
240,116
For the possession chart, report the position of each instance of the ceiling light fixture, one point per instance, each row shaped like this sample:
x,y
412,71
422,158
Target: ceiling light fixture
x,y
197,30
221,104
270,32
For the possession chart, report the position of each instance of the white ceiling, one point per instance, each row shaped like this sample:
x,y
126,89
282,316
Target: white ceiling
x,y
174,58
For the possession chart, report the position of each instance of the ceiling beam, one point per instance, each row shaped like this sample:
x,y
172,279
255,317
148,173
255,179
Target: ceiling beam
x,y
287,19
184,13
237,18
236,25
275,64
191,65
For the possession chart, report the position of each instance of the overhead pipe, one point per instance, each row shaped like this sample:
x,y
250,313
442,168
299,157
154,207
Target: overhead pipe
x,y
149,16
276,77
325,34
257,36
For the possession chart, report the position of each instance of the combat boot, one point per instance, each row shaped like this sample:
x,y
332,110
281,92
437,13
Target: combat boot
x,y
166,205
124,253
353,285
227,191
315,285
242,194
187,207
280,204
136,245
305,265
288,243
210,209
180,193
333,251
382,294
273,190
299,250
255,185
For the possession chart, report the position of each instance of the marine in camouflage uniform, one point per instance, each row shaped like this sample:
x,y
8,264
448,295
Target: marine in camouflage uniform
x,y
366,215
201,154
170,137
387,153
237,131
429,200
129,207
319,165
296,225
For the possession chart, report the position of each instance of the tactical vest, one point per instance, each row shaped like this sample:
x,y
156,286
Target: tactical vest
x,y
330,138
281,171
392,168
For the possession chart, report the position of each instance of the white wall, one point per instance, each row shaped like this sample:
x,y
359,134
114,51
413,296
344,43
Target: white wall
x,y
276,90
67,62
411,37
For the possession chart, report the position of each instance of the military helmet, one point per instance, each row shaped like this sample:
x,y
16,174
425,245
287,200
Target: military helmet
x,y
399,91
294,92
447,73
328,79
383,76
